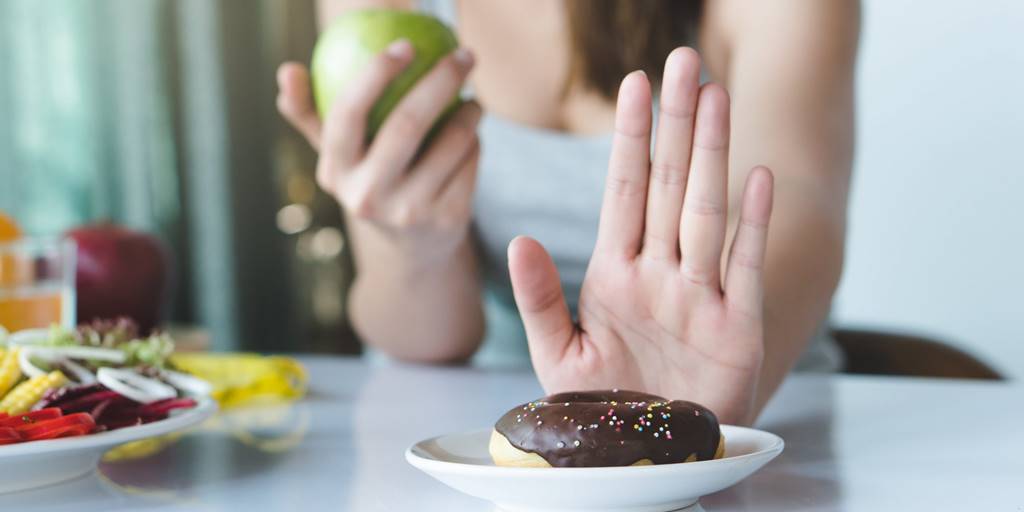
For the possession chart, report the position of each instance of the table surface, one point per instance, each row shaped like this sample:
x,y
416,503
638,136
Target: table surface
x,y
852,443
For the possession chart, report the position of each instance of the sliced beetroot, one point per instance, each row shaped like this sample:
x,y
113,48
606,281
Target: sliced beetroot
x,y
88,402
55,397
120,415
163,407
108,408
100,408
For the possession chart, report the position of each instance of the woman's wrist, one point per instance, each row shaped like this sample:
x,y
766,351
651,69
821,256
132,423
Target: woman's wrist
x,y
444,293
404,256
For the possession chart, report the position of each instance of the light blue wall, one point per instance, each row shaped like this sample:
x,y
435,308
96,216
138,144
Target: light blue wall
x,y
936,241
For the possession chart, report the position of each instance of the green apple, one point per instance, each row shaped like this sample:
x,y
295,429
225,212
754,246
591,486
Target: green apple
x,y
345,49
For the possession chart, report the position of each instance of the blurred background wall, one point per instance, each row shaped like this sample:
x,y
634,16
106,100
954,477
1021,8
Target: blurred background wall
x,y
936,240
160,114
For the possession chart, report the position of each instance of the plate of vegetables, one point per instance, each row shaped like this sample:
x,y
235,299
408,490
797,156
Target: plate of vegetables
x,y
68,396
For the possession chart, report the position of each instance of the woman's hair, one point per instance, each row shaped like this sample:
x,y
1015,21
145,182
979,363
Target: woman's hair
x,y
610,38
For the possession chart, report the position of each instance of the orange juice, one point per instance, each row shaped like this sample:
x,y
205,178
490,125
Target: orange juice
x,y
29,308
11,269
37,283
8,229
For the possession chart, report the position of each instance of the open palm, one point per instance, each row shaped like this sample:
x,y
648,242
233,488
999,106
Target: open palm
x,y
655,312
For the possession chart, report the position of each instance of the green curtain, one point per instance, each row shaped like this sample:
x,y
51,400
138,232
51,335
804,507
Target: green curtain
x,y
159,114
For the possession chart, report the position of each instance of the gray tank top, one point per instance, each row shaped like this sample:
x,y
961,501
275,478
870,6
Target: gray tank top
x,y
547,185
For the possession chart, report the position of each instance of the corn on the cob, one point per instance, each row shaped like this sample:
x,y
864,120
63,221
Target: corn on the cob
x,y
23,397
10,370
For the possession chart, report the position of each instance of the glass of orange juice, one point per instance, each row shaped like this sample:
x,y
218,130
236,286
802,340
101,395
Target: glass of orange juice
x,y
37,283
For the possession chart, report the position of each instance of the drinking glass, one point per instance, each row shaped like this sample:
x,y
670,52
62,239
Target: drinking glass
x,y
37,283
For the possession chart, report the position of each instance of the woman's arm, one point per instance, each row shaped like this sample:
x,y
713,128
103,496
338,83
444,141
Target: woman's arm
x,y
416,295
415,310
789,68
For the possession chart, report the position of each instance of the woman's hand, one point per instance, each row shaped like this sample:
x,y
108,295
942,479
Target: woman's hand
x,y
421,201
655,312
407,206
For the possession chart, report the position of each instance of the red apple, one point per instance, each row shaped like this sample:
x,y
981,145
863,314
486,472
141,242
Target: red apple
x,y
120,272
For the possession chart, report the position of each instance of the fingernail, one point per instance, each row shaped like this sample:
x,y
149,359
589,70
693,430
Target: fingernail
x,y
399,48
464,57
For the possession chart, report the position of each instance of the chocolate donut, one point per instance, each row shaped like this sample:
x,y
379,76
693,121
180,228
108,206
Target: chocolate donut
x,y
605,428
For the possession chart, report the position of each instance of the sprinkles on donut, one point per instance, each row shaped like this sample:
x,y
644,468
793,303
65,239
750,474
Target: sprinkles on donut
x,y
605,428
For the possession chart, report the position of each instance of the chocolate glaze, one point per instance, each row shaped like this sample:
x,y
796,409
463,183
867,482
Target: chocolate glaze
x,y
611,428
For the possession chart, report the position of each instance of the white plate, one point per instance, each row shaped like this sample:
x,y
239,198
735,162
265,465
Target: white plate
x,y
38,463
462,462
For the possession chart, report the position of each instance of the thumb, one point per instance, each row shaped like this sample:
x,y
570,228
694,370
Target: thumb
x,y
538,294
295,103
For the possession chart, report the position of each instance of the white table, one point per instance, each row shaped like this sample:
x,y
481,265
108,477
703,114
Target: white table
x,y
852,443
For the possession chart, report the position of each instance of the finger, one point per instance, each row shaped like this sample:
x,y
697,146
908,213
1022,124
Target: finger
x,y
669,169
344,135
405,127
703,222
744,285
295,103
442,159
622,210
538,294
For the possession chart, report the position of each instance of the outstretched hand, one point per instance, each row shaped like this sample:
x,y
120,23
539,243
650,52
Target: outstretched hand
x,y
655,312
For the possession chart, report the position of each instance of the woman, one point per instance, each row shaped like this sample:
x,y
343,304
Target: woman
x,y
680,290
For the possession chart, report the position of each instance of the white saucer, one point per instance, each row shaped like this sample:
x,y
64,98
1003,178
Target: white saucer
x,y
38,463
462,462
